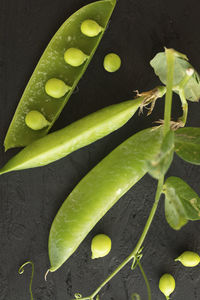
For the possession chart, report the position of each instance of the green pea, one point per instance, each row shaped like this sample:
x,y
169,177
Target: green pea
x,y
75,57
90,28
56,88
112,62
100,246
35,120
189,259
167,285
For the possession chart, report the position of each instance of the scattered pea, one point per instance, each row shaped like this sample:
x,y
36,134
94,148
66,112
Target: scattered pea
x,y
167,285
75,57
100,246
56,88
189,259
112,62
90,28
35,120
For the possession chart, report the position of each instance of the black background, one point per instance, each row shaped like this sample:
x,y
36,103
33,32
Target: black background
x,y
30,199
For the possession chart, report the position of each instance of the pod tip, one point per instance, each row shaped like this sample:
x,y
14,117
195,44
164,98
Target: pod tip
x,y
45,276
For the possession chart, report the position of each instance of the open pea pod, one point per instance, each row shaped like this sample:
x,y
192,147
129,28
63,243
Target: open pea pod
x,y
192,88
187,144
181,203
53,65
83,132
98,191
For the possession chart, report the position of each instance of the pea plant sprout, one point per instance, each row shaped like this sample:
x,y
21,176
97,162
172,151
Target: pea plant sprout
x,y
181,202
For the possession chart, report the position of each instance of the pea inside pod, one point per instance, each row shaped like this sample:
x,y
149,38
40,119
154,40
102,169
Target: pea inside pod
x,y
75,57
98,191
90,28
56,88
78,134
35,120
53,65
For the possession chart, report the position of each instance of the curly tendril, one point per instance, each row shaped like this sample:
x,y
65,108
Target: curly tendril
x,y
78,296
136,259
135,296
135,263
21,271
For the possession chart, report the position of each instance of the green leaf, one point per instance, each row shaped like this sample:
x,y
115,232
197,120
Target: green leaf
x,y
163,160
192,88
181,203
187,144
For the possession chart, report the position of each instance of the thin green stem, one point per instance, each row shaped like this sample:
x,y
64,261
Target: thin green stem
x,y
139,244
188,74
183,119
150,218
168,97
21,271
146,280
111,276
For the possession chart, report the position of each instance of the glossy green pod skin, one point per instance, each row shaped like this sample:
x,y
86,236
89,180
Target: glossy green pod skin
x,y
52,65
78,134
98,191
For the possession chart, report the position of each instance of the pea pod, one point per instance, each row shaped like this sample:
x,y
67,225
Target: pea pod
x,y
98,191
53,65
78,134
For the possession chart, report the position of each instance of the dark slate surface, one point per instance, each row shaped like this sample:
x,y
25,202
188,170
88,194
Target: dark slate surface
x,y
30,199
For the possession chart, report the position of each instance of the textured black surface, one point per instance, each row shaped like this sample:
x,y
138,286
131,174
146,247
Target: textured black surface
x,y
30,199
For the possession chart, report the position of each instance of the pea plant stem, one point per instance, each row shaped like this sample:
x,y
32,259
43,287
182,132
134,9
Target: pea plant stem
x,y
168,96
184,106
139,244
167,119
